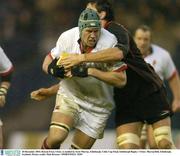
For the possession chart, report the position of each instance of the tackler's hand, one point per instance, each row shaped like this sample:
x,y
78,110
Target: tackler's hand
x,y
72,60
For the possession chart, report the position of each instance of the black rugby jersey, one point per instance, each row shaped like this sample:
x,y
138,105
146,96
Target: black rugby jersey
x,y
141,77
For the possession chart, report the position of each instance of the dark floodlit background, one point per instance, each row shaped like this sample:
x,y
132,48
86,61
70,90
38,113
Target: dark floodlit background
x,y
29,30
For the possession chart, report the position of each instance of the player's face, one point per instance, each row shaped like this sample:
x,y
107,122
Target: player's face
x,y
90,37
143,40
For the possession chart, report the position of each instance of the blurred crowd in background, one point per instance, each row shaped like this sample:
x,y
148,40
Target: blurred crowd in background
x,y
29,29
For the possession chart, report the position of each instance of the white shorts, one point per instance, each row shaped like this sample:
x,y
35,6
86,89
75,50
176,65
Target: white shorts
x,y
91,123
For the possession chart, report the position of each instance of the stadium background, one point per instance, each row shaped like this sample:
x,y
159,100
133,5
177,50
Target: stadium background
x,y
28,31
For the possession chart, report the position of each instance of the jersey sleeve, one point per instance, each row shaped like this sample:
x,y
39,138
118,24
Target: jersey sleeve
x,y
169,67
59,48
5,64
122,37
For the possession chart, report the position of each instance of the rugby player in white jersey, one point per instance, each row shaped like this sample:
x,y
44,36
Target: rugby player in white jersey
x,y
85,96
163,65
6,69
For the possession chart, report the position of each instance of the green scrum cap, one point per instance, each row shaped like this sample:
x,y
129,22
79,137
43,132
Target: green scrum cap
x,y
88,18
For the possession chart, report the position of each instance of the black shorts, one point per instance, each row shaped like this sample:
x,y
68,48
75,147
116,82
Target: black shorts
x,y
149,109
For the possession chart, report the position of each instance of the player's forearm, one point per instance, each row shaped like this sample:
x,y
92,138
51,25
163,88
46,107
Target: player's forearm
x,y
115,79
53,89
107,55
175,86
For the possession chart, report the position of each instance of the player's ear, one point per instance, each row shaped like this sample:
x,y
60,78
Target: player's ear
x,y
102,15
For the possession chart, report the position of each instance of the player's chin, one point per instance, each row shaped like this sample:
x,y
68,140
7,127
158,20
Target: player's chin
x,y
91,44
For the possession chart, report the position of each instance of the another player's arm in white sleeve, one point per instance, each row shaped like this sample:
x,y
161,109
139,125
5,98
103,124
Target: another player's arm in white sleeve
x,y
174,84
171,74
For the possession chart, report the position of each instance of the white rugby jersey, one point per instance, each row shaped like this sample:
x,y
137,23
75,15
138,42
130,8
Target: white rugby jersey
x,y
5,64
90,93
162,62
